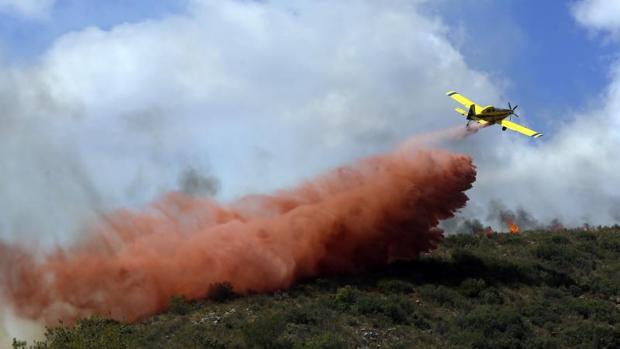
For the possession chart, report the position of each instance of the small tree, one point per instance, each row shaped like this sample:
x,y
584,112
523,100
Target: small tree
x,y
221,291
17,344
178,305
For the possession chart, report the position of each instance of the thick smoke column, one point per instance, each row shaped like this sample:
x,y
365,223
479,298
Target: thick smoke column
x,y
381,209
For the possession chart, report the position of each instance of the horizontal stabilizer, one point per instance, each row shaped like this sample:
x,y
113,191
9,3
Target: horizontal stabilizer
x,y
460,111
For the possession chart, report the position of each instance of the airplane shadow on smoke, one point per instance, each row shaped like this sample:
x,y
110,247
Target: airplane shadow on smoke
x,y
462,266
468,266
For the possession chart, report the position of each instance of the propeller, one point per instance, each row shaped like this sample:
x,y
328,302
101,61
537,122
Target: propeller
x,y
513,110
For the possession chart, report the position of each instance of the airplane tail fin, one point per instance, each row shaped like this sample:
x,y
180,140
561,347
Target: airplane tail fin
x,y
468,114
472,111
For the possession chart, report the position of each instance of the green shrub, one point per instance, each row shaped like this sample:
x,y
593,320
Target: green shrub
x,y
559,239
396,308
442,295
587,236
346,297
565,257
307,315
395,286
541,342
594,309
491,295
550,251
611,243
465,258
540,312
588,334
605,286
179,305
472,287
94,332
265,332
421,321
326,340
494,327
462,240
370,305
17,344
220,292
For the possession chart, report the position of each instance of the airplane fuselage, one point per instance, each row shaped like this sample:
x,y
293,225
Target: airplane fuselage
x,y
491,114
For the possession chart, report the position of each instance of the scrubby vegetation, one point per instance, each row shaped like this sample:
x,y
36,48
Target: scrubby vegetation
x,y
535,290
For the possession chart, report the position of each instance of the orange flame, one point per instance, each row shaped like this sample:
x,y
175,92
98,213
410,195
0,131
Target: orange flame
x,y
514,228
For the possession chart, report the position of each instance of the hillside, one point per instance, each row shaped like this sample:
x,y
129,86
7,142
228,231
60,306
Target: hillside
x,y
539,289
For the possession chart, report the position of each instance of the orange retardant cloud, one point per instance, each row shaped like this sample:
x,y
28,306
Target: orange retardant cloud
x,y
378,210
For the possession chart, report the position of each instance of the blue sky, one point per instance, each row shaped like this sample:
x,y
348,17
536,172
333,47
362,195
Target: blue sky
x,y
553,64
24,38
549,64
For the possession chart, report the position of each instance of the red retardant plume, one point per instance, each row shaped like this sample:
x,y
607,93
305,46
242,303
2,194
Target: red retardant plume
x,y
366,215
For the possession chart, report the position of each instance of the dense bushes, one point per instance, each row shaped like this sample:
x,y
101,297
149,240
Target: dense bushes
x,y
472,287
265,332
534,290
493,327
220,292
395,286
179,305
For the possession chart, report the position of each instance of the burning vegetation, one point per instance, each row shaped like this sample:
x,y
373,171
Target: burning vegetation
x,y
503,219
513,228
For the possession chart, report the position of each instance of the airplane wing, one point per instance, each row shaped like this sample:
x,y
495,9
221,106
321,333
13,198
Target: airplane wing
x,y
521,129
463,100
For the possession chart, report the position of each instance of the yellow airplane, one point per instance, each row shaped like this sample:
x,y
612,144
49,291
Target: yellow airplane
x,y
491,115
